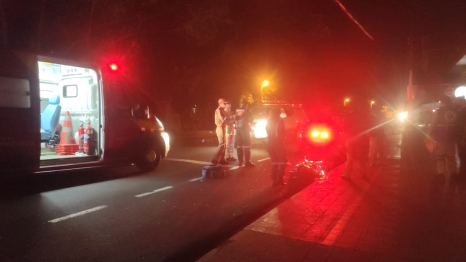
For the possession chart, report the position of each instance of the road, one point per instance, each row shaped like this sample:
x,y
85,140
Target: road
x,y
120,214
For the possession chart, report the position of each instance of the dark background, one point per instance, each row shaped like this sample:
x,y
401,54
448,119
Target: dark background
x,y
185,54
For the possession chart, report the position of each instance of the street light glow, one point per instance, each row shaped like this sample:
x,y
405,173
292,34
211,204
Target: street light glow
x,y
264,83
346,101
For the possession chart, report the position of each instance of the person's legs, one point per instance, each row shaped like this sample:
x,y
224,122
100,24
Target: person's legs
x,y
229,142
373,141
231,146
239,147
274,159
440,157
220,153
349,160
282,162
247,147
450,155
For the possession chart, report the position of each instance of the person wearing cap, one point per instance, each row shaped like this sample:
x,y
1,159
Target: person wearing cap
x,y
443,130
221,119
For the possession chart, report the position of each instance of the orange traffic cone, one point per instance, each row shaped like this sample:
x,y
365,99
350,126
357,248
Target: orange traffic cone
x,y
67,144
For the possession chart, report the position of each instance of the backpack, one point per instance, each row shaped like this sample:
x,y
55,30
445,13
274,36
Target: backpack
x,y
215,171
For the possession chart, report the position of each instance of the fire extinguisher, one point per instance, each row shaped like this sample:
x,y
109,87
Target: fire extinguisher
x,y
89,140
81,138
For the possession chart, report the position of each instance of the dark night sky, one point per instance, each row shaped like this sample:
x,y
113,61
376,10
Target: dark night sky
x,y
308,49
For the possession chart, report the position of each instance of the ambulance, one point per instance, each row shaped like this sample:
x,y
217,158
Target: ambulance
x,y
60,115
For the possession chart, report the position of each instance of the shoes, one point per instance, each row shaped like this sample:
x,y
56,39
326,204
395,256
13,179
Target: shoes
x,y
230,159
249,164
346,178
223,162
240,164
440,178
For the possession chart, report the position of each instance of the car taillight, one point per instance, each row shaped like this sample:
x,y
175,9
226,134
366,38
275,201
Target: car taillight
x,y
319,134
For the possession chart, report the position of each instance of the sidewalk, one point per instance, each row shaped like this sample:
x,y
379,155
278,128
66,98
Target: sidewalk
x,y
392,216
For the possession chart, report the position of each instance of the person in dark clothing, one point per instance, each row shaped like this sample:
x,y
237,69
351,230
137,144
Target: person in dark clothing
x,y
221,119
276,134
443,130
376,138
357,126
461,144
243,135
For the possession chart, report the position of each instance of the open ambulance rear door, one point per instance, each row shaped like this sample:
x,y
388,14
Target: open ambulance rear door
x,y
19,113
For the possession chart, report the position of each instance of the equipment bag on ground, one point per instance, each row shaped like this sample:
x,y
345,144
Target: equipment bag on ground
x,y
215,171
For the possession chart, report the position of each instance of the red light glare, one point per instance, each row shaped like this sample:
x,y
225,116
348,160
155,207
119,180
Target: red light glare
x,y
324,134
113,67
319,134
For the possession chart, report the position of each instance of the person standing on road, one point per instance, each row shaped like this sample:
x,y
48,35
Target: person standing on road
x,y
376,138
221,119
229,135
443,130
461,144
356,127
243,135
276,134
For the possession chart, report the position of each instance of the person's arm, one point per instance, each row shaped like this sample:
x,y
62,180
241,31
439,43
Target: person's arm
x,y
219,117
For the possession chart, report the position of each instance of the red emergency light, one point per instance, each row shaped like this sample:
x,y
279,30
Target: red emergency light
x,y
113,67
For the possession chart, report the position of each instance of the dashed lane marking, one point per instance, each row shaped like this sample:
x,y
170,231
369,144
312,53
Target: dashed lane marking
x,y
77,214
196,179
233,168
263,159
153,192
189,161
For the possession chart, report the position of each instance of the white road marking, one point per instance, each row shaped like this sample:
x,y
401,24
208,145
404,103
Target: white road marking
x,y
233,168
155,191
77,214
196,179
263,159
189,161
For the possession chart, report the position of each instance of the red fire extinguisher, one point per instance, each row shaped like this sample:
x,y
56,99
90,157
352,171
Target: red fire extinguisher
x,y
81,138
89,140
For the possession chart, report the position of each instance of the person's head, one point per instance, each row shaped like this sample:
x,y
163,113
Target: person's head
x,y
243,104
221,102
275,113
445,100
227,105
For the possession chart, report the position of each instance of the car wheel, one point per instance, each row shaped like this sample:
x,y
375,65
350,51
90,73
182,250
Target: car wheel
x,y
149,159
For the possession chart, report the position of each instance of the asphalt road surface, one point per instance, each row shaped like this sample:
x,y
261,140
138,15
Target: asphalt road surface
x,y
120,214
